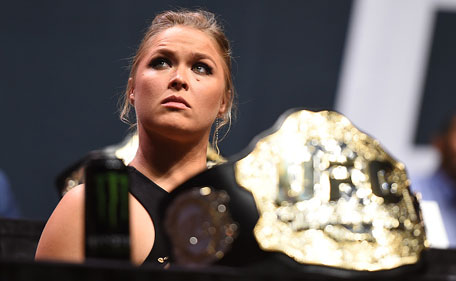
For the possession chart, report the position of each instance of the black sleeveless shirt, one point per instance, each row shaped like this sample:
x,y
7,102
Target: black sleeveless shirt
x,y
149,196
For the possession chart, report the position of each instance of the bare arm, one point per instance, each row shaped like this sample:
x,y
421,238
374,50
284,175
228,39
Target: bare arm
x,y
63,236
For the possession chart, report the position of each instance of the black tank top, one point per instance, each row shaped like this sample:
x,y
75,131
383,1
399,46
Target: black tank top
x,y
149,196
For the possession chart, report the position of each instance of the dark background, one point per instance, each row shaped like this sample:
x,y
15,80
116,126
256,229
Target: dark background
x,y
63,65
438,101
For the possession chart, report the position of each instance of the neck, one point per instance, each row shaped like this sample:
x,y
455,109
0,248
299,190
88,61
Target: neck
x,y
169,162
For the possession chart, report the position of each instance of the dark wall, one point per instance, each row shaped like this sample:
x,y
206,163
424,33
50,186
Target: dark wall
x,y
438,101
63,66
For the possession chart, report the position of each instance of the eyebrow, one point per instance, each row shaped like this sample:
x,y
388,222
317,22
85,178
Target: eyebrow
x,y
165,52
197,56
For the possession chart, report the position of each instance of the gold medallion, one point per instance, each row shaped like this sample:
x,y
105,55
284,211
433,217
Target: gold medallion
x,y
329,195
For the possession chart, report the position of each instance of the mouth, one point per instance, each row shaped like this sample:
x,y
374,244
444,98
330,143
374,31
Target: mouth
x,y
175,102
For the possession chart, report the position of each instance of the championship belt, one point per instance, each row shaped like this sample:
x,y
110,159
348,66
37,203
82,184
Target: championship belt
x,y
314,189
210,220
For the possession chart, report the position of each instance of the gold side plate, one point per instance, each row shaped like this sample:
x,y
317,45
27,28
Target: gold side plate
x,y
329,195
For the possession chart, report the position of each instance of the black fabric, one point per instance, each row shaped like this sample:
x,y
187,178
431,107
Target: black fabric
x,y
150,195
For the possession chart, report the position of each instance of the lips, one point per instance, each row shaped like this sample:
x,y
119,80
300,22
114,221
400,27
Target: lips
x,y
175,101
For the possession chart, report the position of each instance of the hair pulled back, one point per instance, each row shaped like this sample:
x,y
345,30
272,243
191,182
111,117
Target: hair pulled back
x,y
201,20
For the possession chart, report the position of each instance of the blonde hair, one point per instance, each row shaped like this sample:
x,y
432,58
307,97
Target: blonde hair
x,y
201,20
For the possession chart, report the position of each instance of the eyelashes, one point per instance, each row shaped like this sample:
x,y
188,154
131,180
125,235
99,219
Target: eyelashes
x,y
202,68
162,63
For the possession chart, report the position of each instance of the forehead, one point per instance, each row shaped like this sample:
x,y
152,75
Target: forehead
x,y
185,38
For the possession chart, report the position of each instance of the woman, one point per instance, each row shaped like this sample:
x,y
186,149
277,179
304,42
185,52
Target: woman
x,y
179,84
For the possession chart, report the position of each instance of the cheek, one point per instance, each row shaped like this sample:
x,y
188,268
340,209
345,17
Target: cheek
x,y
217,90
147,87
212,98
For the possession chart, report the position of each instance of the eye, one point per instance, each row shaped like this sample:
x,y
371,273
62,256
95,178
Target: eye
x,y
160,63
202,68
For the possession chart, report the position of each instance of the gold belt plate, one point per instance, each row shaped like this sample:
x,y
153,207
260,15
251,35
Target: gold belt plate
x,y
328,194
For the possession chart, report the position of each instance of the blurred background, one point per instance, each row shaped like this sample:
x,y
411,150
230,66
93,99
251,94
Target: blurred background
x,y
388,65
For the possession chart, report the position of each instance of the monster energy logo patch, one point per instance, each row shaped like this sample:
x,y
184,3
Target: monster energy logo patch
x,y
112,199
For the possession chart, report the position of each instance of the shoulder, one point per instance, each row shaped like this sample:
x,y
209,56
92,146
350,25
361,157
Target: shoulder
x,y
71,204
62,237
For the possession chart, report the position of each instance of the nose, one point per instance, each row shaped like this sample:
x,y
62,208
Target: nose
x,y
179,80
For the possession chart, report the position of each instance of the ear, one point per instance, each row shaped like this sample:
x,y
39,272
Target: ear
x,y
131,93
224,104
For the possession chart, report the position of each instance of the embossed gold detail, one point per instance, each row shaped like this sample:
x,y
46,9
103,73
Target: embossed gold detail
x,y
328,194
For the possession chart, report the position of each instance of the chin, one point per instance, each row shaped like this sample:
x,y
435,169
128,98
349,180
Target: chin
x,y
181,133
